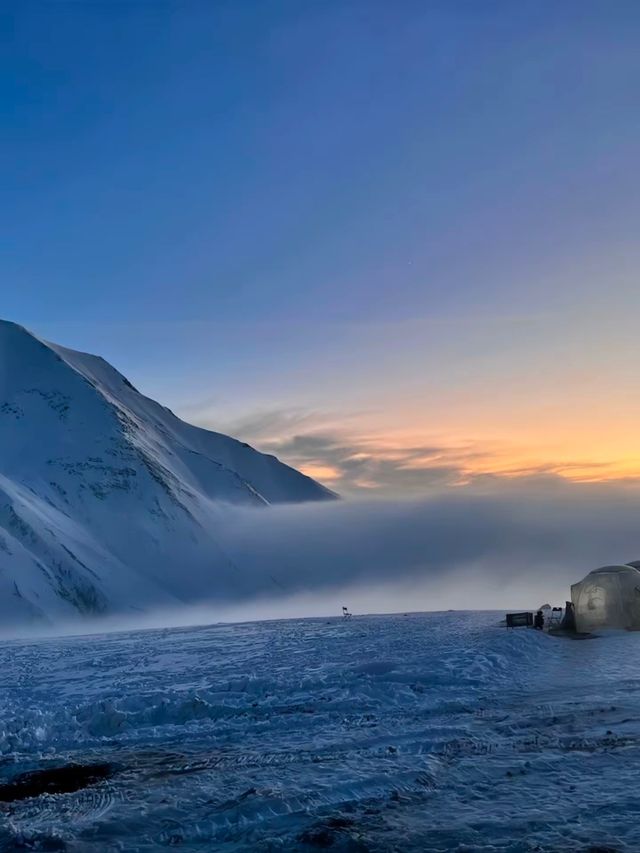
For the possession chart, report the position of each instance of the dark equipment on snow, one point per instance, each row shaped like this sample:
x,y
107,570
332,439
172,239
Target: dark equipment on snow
x,y
569,621
519,620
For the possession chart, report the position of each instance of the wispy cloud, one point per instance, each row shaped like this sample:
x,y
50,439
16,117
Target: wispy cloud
x,y
365,465
267,425
334,450
331,450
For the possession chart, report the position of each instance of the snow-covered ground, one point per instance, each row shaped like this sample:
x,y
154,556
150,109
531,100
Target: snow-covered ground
x,y
417,732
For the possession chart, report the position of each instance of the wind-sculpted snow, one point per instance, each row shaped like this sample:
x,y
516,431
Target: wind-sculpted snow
x,y
103,492
433,732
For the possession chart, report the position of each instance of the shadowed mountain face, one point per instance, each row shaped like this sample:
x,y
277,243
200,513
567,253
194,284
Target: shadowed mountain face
x,y
108,501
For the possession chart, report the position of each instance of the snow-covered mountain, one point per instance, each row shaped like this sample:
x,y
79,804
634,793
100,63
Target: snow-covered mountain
x,y
107,499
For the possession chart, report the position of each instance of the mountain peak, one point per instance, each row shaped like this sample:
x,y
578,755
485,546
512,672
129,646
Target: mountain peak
x,y
103,491
11,324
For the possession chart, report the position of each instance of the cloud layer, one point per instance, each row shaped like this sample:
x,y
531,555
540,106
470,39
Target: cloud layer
x,y
500,546
511,544
352,464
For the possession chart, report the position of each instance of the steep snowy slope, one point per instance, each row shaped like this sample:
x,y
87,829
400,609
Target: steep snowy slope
x,y
103,492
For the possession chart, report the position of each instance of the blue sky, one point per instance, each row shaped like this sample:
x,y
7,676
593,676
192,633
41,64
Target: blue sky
x,y
371,225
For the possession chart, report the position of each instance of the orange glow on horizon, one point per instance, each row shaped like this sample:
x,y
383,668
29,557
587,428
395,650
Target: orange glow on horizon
x,y
583,456
320,472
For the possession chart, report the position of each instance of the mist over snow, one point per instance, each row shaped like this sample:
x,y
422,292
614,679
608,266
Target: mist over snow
x,y
514,546
514,543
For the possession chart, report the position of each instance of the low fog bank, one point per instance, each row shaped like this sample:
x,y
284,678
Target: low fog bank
x,y
515,545
466,548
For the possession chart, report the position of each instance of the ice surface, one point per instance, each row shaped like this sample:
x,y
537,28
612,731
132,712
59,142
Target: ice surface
x,y
433,732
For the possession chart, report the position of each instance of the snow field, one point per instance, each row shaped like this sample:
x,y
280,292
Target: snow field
x,y
418,732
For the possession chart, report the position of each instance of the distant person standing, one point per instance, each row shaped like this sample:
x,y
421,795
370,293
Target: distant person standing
x,y
538,621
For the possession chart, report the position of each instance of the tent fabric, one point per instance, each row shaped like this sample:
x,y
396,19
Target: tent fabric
x,y
608,598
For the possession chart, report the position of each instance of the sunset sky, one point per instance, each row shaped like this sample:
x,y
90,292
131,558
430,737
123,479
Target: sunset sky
x,y
394,243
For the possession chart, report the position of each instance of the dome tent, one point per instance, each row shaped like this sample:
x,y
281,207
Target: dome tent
x,y
608,598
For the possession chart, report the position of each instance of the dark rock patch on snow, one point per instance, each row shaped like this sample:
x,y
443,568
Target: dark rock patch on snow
x,y
53,780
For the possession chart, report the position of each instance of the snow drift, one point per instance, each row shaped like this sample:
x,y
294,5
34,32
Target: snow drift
x,y
108,501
